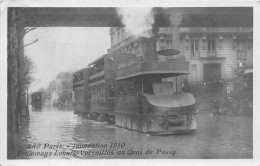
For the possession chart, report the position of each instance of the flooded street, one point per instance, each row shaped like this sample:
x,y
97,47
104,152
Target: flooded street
x,y
217,137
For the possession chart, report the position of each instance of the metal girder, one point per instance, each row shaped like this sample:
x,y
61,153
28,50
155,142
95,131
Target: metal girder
x,y
107,17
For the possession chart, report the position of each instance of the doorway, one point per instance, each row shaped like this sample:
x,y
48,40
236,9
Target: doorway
x,y
211,72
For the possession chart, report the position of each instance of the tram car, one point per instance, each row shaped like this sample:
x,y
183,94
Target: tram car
x,y
36,101
139,93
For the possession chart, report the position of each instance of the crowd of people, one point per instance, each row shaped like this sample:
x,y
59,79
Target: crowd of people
x,y
229,96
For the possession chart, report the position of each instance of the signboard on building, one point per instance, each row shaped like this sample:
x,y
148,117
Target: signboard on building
x,y
168,52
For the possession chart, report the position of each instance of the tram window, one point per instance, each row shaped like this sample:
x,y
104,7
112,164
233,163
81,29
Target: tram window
x,y
111,92
91,94
88,94
120,90
130,89
94,93
81,97
76,96
98,92
101,94
127,88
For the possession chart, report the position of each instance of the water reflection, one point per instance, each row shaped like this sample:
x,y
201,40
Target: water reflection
x,y
217,136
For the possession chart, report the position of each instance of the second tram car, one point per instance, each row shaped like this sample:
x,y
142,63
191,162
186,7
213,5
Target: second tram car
x,y
81,94
36,101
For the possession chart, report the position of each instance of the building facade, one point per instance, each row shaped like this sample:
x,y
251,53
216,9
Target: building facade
x,y
213,53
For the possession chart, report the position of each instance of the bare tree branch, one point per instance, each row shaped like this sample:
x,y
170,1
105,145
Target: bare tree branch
x,y
28,30
36,40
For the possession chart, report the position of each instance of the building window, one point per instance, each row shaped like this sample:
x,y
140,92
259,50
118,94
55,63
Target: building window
x,y
211,47
194,72
111,92
194,48
250,44
169,44
241,48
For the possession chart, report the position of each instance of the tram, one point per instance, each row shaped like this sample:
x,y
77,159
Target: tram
x,y
36,101
137,93
146,103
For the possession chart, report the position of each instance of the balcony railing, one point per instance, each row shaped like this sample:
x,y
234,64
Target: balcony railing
x,y
195,54
124,42
215,30
212,53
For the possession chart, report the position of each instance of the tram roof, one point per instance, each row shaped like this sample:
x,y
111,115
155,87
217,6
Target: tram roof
x,y
36,93
115,55
167,69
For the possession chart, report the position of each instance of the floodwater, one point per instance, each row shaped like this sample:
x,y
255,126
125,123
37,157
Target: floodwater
x,y
62,134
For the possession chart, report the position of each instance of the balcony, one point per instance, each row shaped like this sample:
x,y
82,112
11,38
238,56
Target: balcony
x,y
194,54
212,54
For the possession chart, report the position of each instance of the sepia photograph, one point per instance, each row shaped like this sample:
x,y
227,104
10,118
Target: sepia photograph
x,y
128,82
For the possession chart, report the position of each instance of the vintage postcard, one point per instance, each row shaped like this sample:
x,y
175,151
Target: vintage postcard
x,y
105,82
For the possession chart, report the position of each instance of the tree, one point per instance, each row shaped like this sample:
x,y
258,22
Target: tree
x,y
29,69
61,87
64,87
52,86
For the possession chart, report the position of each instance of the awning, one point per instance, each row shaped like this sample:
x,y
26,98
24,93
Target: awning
x,y
171,101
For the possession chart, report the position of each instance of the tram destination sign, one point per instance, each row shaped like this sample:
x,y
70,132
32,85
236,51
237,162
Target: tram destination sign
x,y
168,52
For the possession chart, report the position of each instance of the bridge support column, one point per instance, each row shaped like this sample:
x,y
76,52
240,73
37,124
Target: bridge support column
x,y
15,81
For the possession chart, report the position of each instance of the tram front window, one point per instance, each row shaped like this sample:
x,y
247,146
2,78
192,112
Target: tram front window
x,y
163,88
127,88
